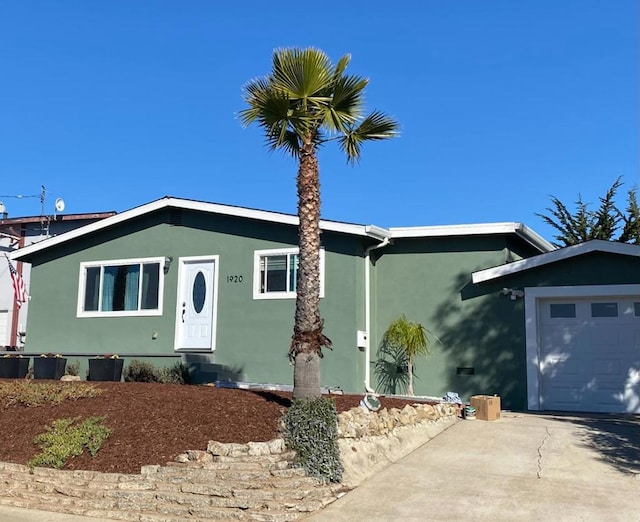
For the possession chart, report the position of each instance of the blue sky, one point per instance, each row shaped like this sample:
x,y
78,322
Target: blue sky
x,y
114,103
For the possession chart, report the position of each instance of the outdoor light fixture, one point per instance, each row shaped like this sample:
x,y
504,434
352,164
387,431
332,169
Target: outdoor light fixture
x,y
167,263
512,293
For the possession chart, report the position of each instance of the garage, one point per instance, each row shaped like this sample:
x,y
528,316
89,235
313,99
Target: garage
x,y
589,354
581,320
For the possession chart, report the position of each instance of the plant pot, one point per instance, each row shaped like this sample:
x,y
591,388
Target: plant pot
x,y
105,369
14,367
49,367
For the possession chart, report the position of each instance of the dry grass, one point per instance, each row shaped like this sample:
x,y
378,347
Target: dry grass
x,y
29,393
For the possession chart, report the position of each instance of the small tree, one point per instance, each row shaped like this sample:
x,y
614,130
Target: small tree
x,y
584,224
631,231
410,339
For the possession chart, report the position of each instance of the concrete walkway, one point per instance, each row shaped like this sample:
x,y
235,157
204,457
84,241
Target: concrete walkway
x,y
522,467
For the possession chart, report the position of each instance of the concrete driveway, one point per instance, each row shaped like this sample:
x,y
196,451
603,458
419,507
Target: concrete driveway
x,y
521,467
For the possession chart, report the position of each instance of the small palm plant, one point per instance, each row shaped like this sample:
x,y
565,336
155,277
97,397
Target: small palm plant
x,y
410,340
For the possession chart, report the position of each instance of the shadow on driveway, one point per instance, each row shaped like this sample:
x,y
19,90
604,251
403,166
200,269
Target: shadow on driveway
x,y
615,437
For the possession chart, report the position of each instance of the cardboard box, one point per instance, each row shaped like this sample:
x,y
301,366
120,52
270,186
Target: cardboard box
x,y
487,407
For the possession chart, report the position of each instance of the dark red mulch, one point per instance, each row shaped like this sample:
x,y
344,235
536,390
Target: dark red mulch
x,y
153,423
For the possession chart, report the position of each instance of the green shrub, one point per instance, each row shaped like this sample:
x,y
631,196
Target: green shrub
x,y
311,429
66,438
73,368
30,393
176,374
140,371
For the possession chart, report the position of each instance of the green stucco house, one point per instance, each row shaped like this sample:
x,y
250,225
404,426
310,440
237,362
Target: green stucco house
x,y
214,285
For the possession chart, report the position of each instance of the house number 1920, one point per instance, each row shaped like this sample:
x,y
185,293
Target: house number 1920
x,y
234,279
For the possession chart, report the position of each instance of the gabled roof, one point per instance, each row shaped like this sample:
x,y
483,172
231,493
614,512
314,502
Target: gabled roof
x,y
212,208
560,254
518,229
372,231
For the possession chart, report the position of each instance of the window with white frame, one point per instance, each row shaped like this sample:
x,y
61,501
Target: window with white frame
x,y
276,273
122,287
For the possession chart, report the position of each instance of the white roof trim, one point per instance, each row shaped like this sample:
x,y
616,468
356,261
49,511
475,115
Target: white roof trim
x,y
610,247
474,229
187,204
372,231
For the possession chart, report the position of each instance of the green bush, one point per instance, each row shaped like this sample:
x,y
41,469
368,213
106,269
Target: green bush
x,y
73,368
140,371
176,374
66,438
311,429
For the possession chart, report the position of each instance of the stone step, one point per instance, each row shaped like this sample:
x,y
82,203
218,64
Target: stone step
x,y
275,457
202,485
306,497
158,512
248,463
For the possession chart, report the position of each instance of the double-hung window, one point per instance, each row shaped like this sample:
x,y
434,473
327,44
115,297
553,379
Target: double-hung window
x,y
122,287
276,273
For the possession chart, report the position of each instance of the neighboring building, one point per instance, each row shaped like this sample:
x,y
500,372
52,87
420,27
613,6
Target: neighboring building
x,y
214,285
16,233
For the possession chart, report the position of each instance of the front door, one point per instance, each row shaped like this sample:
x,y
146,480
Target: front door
x,y
196,307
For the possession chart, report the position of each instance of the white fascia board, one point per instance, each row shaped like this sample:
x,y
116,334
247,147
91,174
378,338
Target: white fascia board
x,y
186,204
472,230
560,254
533,238
452,230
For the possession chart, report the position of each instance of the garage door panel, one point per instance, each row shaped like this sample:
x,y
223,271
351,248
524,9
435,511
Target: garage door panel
x,y
603,368
605,336
586,361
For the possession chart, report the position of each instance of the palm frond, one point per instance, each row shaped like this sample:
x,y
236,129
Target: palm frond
x,y
407,336
303,74
347,103
376,126
305,98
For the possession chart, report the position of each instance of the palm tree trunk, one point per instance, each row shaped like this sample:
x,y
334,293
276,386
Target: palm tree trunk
x,y
308,339
410,386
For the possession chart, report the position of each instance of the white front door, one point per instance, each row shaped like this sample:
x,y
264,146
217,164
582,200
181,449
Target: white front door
x,y
196,306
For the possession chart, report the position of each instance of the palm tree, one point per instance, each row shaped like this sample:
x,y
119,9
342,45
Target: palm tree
x,y
408,339
304,102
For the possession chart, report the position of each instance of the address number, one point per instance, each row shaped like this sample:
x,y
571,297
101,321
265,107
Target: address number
x,y
234,279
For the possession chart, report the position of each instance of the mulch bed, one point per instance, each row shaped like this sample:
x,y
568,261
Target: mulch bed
x,y
153,423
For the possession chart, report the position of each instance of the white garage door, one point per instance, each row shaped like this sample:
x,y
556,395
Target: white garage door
x,y
589,353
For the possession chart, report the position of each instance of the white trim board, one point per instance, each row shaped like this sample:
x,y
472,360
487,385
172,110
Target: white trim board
x,y
532,295
609,247
519,229
373,231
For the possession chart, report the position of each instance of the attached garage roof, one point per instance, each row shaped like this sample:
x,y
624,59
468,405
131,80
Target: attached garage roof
x,y
561,254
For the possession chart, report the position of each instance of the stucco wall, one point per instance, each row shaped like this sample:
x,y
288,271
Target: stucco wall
x,y
429,280
252,335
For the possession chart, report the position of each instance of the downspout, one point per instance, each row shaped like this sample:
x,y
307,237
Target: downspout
x,y
367,311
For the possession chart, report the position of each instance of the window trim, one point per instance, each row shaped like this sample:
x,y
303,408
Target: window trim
x,y
257,254
80,312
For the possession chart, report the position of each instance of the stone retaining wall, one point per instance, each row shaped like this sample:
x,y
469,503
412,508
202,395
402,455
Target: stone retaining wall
x,y
371,441
254,481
